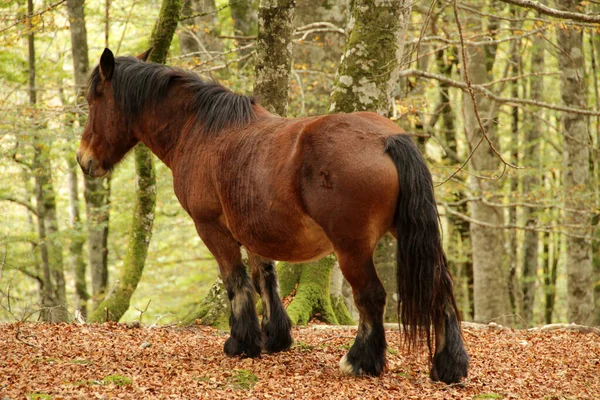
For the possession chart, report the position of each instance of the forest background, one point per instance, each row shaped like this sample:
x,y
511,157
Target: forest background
x,y
519,203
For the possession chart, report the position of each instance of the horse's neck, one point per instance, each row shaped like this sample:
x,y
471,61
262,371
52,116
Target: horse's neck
x,y
161,130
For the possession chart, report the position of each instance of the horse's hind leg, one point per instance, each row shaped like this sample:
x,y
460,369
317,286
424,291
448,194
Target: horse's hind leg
x,y
245,338
367,354
276,325
450,362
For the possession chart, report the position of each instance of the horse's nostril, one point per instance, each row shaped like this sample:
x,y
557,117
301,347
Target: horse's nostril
x,y
89,166
78,158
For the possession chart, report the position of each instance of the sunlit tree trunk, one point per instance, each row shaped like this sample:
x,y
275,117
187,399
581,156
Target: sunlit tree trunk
x,y
580,294
490,292
118,299
531,183
461,263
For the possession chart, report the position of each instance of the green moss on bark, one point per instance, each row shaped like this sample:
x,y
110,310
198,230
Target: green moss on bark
x,y
214,310
368,68
312,294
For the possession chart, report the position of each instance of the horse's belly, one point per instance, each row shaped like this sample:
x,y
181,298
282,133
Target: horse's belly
x,y
295,240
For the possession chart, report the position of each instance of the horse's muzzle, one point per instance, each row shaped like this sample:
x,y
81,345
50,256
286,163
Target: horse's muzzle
x,y
89,166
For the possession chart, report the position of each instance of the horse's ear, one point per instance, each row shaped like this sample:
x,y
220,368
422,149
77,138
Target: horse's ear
x,y
107,65
144,56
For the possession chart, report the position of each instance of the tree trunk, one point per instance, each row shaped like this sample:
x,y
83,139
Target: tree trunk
x,y
274,54
460,259
97,201
79,52
366,77
580,292
490,279
312,290
97,190
117,301
54,301
531,182
77,239
368,71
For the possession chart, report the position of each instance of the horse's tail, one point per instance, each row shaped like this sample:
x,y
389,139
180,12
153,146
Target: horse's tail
x,y
425,293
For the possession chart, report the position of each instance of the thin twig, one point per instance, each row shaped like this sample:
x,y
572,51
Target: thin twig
x,y
26,17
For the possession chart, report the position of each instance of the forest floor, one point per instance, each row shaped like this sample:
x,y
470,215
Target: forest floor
x,y
66,361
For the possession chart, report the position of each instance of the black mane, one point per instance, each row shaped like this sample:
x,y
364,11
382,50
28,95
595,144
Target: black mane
x,y
138,84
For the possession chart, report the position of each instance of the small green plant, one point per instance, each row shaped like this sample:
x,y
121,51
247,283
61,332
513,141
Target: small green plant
x,y
243,379
303,346
118,380
393,352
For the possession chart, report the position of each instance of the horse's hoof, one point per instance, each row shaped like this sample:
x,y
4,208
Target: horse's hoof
x,y
277,336
234,347
449,369
346,368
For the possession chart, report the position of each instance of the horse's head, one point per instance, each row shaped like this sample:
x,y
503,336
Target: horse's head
x,y
107,136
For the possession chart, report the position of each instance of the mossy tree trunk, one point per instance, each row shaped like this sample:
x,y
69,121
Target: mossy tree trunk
x,y
365,81
117,301
274,54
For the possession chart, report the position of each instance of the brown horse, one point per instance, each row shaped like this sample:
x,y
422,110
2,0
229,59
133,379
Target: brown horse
x,y
290,190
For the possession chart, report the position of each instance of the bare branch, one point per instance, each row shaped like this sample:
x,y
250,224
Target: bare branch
x,y
22,202
553,12
508,100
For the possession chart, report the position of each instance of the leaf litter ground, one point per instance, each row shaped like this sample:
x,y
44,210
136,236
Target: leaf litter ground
x,y
67,361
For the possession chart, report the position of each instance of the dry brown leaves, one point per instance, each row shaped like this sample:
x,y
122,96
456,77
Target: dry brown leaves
x,y
113,361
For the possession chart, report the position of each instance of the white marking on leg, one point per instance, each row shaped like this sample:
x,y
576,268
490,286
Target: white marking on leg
x,y
345,366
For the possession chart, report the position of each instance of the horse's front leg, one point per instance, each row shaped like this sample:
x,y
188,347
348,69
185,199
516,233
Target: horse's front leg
x,y
246,336
276,325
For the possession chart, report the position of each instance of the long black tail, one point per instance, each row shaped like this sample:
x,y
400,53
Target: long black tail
x,y
425,291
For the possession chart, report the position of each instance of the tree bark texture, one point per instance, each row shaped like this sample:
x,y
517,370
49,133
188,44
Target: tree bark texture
x,y
117,301
274,54
491,298
580,293
368,70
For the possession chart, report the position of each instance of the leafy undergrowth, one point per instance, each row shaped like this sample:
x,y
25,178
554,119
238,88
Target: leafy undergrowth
x,y
40,361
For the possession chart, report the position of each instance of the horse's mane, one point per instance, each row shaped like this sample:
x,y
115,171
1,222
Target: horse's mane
x,y
138,84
